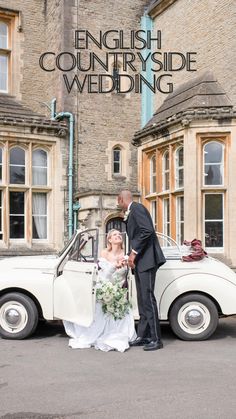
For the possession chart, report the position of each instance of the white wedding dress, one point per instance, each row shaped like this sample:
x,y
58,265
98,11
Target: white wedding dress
x,y
105,333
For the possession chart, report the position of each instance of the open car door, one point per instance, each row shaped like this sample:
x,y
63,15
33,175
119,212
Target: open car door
x,y
74,285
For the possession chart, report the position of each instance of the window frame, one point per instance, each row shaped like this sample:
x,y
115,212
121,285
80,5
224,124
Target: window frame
x,y
26,165
117,148
27,188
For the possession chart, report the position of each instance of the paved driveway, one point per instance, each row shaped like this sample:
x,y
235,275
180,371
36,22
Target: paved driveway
x,y
43,378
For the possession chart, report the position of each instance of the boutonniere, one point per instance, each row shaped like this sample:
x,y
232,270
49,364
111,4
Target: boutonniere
x,y
126,215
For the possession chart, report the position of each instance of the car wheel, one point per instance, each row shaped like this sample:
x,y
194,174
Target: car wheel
x,y
193,317
18,316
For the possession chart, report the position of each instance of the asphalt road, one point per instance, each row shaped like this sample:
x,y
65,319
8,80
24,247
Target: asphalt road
x,y
42,378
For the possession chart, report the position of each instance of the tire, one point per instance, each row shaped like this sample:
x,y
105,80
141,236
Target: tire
x,y
18,316
193,317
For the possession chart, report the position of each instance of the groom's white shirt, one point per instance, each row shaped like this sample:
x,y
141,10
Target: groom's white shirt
x,y
128,209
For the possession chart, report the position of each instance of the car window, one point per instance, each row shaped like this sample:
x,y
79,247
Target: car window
x,y
85,247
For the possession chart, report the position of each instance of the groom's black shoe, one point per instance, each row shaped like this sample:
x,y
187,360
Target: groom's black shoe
x,y
140,341
153,345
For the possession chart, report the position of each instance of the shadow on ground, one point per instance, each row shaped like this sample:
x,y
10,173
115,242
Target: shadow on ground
x,y
226,327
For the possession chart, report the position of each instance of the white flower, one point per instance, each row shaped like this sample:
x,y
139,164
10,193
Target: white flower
x,y
110,309
107,298
113,299
126,215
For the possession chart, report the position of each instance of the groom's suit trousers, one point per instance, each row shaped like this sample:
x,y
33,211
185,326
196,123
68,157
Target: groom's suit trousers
x,y
149,323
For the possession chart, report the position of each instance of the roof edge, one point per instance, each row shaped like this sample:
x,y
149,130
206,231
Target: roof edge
x,y
185,118
159,7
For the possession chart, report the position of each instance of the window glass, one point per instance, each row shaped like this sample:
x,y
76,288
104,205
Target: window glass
x,y
214,220
153,174
116,78
3,72
0,215
213,206
0,164
116,160
167,216
166,171
213,152
17,217
180,168
39,166
3,35
17,165
213,164
39,205
154,213
180,219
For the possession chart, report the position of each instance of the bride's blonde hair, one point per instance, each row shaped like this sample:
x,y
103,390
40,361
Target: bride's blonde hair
x,y
109,234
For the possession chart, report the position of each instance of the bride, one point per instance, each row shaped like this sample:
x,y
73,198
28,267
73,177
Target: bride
x,y
106,333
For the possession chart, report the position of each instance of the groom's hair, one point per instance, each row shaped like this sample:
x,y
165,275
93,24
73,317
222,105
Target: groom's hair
x,y
126,194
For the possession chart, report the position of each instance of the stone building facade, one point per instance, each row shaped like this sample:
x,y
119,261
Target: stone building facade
x,y
207,28
104,122
104,160
33,178
187,150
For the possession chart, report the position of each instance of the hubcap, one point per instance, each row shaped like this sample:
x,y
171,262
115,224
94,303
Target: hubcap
x,y
13,317
194,317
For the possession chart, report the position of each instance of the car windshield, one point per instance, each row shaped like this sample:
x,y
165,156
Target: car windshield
x,y
170,247
67,245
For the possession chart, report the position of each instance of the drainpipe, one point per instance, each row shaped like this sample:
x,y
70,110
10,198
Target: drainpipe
x,y
58,117
76,208
147,94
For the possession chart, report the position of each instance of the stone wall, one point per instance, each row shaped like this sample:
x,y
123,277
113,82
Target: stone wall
x,y
205,27
100,117
31,42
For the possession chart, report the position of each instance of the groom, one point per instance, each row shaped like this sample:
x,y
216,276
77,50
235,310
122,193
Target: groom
x,y
145,258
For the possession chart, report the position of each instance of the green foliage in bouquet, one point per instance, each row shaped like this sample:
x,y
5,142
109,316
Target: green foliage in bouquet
x,y
113,299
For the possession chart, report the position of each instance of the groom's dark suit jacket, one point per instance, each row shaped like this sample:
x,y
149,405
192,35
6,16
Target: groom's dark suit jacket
x,y
143,238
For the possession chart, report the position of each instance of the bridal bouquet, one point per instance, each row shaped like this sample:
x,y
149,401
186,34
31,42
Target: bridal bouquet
x,y
113,299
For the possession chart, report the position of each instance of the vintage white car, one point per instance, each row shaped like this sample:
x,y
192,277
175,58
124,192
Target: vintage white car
x,y
191,295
